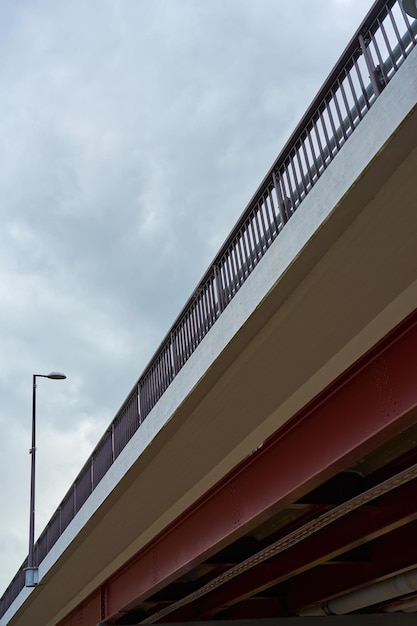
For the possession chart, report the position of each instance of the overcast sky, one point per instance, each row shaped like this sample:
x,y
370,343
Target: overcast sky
x,y
133,133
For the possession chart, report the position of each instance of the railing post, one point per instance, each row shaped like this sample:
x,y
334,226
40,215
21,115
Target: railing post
x,y
375,73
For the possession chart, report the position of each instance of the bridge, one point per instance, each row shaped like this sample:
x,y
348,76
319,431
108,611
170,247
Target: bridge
x,y
263,469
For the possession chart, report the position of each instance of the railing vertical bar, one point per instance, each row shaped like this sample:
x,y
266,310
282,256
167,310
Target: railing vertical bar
x,y
157,379
180,341
345,101
259,232
323,154
234,265
275,206
362,85
255,234
188,335
199,309
219,287
184,338
270,212
300,167
225,279
289,188
241,256
174,353
225,285
192,325
205,298
184,333
209,307
266,218
381,68
339,113
295,176
388,45
280,198
397,34
230,272
161,376
262,223
316,173
201,315
252,240
212,299
147,395
307,161
334,131
249,242
273,210
152,385
181,336
246,246
354,96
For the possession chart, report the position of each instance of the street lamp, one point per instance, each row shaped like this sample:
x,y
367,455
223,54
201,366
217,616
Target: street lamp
x,y
31,571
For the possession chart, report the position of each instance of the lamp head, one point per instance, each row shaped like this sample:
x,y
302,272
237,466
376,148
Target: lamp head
x,y
410,7
56,376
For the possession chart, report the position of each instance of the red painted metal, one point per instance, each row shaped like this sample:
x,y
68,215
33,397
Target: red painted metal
x,y
392,553
394,509
364,408
88,613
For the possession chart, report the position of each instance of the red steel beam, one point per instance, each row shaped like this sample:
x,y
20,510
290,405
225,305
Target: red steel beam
x,y
364,408
391,554
392,510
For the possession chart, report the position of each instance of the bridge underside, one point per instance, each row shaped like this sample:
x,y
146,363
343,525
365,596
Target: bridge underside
x,y
301,540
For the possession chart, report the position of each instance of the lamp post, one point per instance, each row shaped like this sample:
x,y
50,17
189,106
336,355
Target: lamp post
x,y
31,571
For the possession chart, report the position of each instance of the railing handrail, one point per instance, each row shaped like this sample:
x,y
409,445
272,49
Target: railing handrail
x,y
348,51
332,116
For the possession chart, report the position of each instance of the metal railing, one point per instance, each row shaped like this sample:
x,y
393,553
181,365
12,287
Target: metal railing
x,y
378,48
